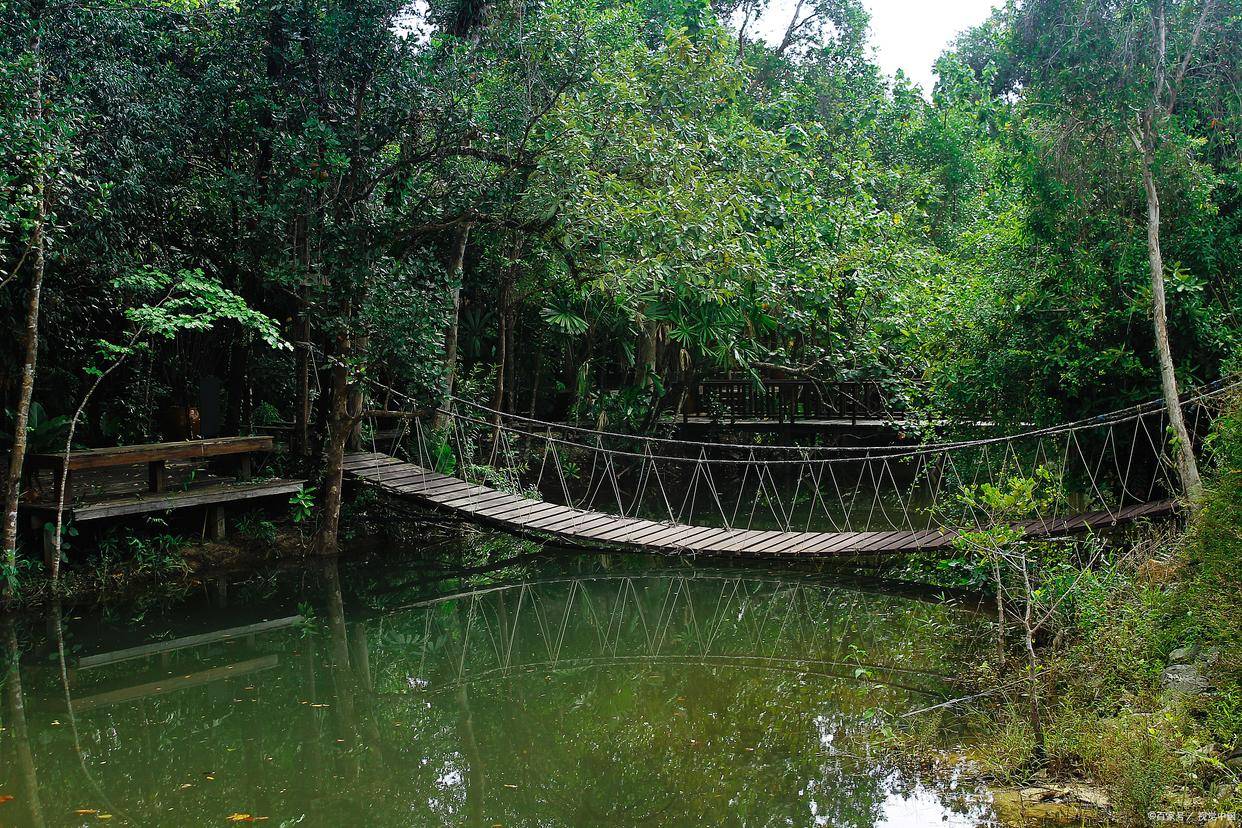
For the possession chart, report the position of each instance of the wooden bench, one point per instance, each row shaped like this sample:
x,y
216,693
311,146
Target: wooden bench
x,y
118,495
154,455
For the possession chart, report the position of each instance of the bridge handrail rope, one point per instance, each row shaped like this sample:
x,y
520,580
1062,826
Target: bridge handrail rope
x,y
856,453
902,490
1214,390
767,489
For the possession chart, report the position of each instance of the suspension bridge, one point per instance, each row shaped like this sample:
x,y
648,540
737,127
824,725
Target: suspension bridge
x,y
589,487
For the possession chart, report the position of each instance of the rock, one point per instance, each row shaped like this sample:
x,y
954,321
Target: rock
x,y
1184,680
1072,804
1183,655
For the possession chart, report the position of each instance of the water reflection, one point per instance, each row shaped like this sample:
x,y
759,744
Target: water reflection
x,y
601,697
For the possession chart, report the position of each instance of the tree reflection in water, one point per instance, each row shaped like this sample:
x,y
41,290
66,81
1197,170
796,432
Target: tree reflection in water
x,y
646,697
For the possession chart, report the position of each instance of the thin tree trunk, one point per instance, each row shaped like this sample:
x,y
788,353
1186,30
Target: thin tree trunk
x,y
1000,615
1033,689
340,425
239,359
502,360
302,407
62,487
30,357
456,260
1187,467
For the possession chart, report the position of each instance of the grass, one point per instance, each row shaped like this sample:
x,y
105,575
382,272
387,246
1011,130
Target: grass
x,y
1108,716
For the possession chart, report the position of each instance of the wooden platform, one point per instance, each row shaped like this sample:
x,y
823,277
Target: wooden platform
x,y
119,492
525,516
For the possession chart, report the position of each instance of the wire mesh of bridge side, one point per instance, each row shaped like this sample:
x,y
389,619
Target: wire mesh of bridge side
x,y
1108,466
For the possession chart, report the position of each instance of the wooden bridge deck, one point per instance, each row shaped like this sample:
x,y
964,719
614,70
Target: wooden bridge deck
x,y
525,516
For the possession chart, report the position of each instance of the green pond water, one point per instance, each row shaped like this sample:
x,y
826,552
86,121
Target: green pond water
x,y
564,690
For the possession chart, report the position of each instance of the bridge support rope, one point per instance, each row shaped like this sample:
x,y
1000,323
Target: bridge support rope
x,y
593,486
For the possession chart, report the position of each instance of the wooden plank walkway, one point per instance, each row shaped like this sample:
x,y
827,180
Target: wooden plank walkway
x,y
525,516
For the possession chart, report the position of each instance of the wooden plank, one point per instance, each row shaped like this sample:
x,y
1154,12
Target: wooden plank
x,y
185,642
764,546
694,541
545,520
100,458
626,533
620,525
578,521
428,487
362,458
198,496
738,541
407,481
470,502
795,542
657,528
823,540
372,468
441,491
757,539
526,510
387,472
674,539
704,542
838,542
417,489
655,539
884,540
493,509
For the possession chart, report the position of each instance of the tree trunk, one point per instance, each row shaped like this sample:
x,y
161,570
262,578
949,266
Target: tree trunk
x,y
239,360
648,349
456,260
30,358
502,360
340,426
1187,467
302,406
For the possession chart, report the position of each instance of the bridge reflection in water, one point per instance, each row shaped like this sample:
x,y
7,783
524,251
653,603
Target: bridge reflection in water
x,y
672,697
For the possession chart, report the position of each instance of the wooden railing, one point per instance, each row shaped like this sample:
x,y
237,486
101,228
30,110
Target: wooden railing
x,y
789,400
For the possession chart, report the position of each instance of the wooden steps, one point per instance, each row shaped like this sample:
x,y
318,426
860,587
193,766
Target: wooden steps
x,y
526,516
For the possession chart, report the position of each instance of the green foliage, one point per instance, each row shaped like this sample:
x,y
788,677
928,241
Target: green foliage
x,y
302,503
256,526
186,301
43,433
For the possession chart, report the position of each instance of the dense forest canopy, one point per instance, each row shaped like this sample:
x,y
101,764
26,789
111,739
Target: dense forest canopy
x,y
576,208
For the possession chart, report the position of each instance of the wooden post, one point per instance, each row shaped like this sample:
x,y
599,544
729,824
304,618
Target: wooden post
x,y
245,468
217,528
157,475
46,539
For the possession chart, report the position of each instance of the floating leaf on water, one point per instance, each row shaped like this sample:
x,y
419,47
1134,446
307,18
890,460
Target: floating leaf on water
x,y
5,798
86,811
